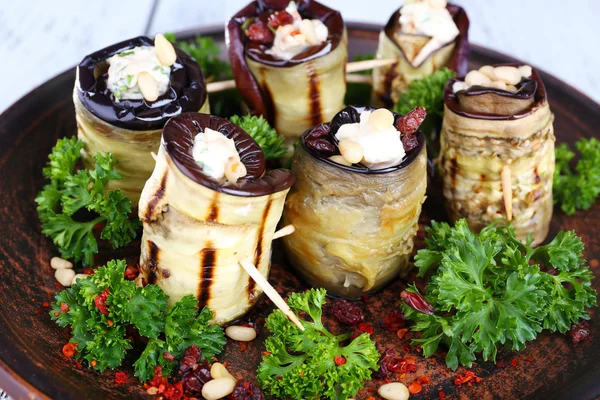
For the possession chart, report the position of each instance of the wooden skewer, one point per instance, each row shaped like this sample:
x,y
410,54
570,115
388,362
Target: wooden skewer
x,y
507,191
153,154
270,292
355,66
286,230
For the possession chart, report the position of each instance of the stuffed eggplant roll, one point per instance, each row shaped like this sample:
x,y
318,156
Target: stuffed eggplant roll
x,y
360,184
289,61
208,205
123,96
497,149
423,36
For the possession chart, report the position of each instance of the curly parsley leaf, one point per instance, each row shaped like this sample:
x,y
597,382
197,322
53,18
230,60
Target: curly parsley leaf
x,y
101,338
70,192
491,290
266,137
301,364
577,189
206,53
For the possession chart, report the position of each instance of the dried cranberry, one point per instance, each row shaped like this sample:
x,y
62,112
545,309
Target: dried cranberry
x,y
383,371
409,142
174,392
319,131
280,18
409,123
131,272
194,373
580,332
418,302
394,321
259,32
347,313
100,301
245,390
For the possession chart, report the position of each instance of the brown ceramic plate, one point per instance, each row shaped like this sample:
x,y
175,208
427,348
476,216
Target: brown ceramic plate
x,y
33,367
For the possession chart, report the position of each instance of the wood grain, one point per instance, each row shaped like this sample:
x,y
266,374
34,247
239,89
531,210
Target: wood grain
x,y
31,343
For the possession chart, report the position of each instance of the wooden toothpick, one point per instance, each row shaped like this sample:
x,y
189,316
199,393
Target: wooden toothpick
x,y
507,191
286,230
270,292
357,66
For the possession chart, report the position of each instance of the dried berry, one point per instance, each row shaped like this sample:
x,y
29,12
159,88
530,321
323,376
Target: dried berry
x,y
194,373
579,332
409,123
100,301
346,312
280,18
409,142
323,146
394,321
416,301
259,32
245,390
319,131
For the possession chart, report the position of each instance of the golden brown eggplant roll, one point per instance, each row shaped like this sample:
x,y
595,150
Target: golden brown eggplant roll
x,y
294,94
196,230
389,83
354,226
131,129
478,143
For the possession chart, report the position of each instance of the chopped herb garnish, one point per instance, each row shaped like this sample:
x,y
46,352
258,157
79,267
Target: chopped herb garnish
x,y
126,53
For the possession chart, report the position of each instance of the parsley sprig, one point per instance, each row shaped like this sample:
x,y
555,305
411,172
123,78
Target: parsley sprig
x,y
490,289
70,193
265,136
101,338
577,189
301,365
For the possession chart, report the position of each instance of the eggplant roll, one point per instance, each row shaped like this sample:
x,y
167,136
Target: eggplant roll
x,y
131,128
488,130
294,93
390,82
196,229
354,225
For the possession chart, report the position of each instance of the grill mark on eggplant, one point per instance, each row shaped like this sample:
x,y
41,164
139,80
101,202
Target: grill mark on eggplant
x,y
390,75
259,244
314,96
213,215
160,193
153,253
208,258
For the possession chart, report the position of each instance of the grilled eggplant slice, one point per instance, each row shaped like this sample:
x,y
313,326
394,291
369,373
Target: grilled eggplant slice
x,y
196,230
354,226
131,129
294,94
389,83
481,141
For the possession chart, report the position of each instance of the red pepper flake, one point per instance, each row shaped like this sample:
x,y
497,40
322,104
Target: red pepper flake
x,y
161,388
529,359
56,313
266,353
406,348
64,308
168,356
339,360
401,333
467,377
93,363
442,395
100,301
418,302
77,364
88,271
424,379
109,322
371,398
121,378
415,387
365,328
131,272
46,304
243,346
514,362
394,320
69,350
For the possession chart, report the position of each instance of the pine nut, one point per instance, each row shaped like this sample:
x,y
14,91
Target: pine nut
x,y
241,333
218,388
148,86
477,78
488,71
60,263
351,151
218,370
234,171
498,85
525,71
78,276
340,160
511,88
381,119
165,52
510,75
308,30
459,85
394,391
64,276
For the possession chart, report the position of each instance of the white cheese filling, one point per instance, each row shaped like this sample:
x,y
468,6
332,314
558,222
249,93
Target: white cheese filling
x,y
217,156
380,142
293,39
125,68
